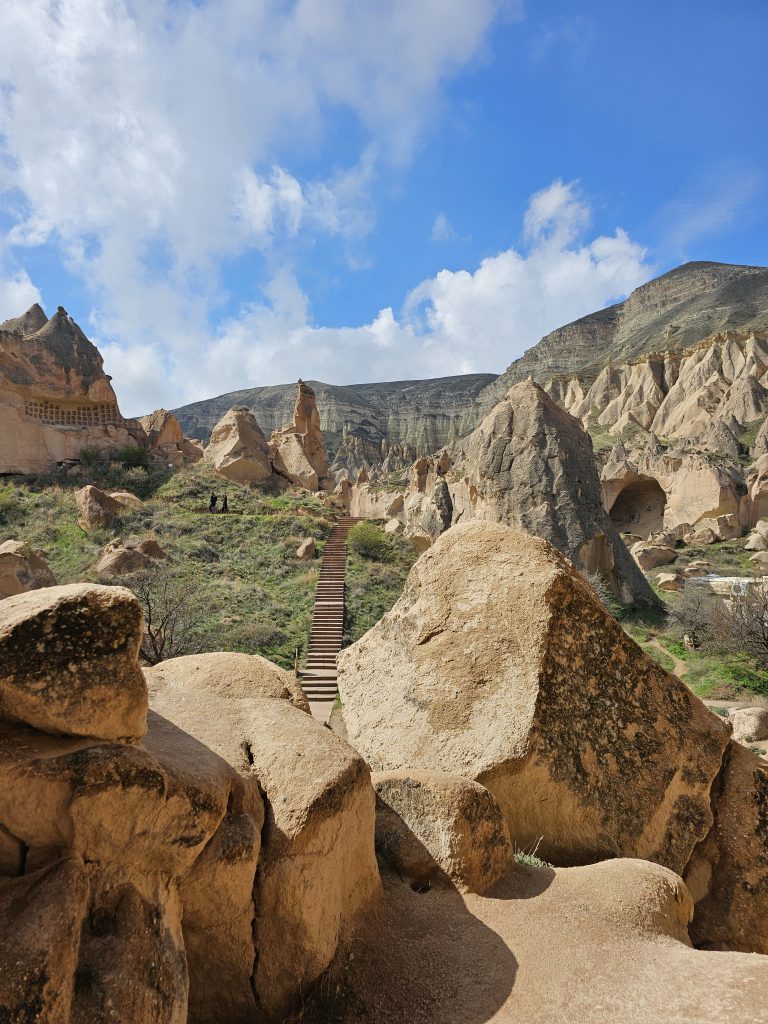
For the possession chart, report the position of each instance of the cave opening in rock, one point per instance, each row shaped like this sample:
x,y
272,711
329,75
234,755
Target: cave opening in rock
x,y
639,508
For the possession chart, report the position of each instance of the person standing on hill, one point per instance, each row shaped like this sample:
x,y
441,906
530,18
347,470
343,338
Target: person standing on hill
x,y
212,506
225,505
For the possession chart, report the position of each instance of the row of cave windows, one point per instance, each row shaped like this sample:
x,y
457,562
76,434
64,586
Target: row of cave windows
x,y
73,416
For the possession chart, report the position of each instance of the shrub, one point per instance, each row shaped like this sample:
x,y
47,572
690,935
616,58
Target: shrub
x,y
368,541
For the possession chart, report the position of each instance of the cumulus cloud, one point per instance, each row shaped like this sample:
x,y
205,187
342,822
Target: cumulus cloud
x,y
17,294
455,322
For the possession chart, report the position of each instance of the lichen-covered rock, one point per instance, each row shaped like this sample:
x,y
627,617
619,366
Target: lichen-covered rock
x,y
69,661
728,874
500,664
437,828
96,507
22,569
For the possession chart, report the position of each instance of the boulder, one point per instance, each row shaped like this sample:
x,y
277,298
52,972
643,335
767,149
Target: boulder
x,y
649,556
162,428
499,663
238,449
126,499
317,867
756,542
22,569
69,661
436,828
96,507
152,549
118,560
724,527
702,537
305,552
393,526
669,581
217,678
750,725
427,516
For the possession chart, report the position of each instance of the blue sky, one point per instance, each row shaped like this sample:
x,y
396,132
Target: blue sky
x,y
239,193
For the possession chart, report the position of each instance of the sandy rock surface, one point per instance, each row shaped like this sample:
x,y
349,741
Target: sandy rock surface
x,y
437,828
69,661
22,569
96,507
238,449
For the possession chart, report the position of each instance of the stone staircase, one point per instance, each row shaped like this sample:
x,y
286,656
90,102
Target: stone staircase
x,y
319,676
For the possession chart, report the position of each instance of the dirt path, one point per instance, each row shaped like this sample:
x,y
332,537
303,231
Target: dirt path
x,y
680,667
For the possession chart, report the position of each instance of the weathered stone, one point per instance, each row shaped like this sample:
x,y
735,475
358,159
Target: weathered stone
x,y
393,526
317,868
126,499
750,725
499,663
649,556
669,581
437,828
96,507
55,398
69,661
22,569
298,451
530,465
306,550
238,449
118,560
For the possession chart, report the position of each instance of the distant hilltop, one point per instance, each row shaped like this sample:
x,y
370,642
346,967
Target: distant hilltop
x,y
389,425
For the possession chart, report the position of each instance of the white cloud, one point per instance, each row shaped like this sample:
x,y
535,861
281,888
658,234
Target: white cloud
x,y
712,204
17,294
442,229
456,322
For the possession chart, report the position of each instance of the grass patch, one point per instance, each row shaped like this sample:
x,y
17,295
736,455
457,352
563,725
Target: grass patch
x,y
374,584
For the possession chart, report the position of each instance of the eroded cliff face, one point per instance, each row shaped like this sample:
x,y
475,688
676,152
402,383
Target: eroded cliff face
x,y
54,395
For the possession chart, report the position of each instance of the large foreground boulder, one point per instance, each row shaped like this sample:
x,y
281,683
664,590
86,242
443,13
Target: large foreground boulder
x,y
317,868
111,853
499,663
69,661
22,569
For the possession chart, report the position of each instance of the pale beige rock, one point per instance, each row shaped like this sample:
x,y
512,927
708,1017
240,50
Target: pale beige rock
x,y
306,550
509,957
298,451
393,526
152,548
317,868
649,556
96,507
126,499
704,536
119,560
493,664
238,449
69,661
437,828
756,542
55,398
724,527
162,428
749,724
219,677
369,502
22,569
669,581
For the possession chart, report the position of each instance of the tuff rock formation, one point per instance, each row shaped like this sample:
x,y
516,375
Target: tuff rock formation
x,y
297,451
166,439
317,872
55,398
238,449
121,559
22,569
96,507
529,464
499,663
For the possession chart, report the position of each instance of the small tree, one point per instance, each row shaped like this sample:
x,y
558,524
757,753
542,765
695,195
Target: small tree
x,y
173,619
742,627
699,614
368,541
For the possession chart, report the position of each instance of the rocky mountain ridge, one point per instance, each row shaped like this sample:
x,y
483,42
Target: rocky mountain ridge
x,y
616,366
